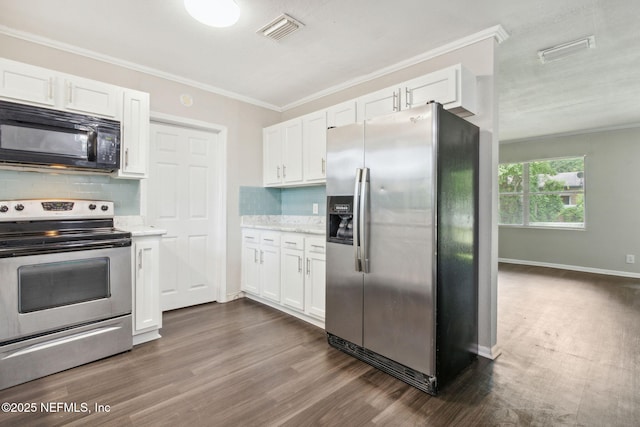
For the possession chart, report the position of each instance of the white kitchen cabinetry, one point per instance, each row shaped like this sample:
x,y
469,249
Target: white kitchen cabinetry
x,y
342,114
261,264
250,275
147,316
314,142
282,157
91,97
29,84
454,87
285,270
315,277
292,270
270,265
378,103
26,83
134,129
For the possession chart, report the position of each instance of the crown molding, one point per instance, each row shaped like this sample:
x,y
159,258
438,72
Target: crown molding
x,y
131,65
497,32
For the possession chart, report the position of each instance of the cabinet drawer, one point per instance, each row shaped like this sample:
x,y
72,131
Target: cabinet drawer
x,y
316,246
250,236
293,241
270,239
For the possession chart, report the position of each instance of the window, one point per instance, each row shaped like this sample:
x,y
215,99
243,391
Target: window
x,y
543,193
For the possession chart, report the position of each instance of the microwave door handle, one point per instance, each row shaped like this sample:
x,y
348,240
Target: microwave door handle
x,y
92,146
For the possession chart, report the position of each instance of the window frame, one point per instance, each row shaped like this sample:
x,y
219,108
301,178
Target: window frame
x,y
526,196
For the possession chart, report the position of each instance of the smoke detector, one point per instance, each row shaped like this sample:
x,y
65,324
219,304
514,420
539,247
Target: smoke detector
x,y
280,27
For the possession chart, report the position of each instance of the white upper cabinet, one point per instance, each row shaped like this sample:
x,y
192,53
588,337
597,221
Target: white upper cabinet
x,y
453,87
295,151
378,103
25,83
38,86
342,114
272,155
282,154
91,97
292,151
314,138
134,130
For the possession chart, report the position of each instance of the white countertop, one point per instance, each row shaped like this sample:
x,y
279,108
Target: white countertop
x,y
288,223
135,225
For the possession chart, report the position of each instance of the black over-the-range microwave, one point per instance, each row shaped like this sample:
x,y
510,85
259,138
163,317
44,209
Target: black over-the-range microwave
x,y
32,135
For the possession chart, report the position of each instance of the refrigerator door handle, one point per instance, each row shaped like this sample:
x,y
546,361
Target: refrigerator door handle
x,y
356,215
362,222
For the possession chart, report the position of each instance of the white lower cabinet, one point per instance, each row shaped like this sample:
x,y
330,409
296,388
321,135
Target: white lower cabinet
x,y
285,271
261,264
147,316
315,277
292,268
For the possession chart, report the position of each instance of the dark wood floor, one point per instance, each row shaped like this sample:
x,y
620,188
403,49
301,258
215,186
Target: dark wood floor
x,y
571,356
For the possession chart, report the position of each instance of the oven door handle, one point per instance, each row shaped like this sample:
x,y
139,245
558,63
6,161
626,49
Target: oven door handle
x,y
85,245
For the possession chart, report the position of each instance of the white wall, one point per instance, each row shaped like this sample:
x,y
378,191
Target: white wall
x,y
612,205
244,122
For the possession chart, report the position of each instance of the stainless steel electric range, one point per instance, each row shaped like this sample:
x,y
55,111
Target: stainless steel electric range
x,y
65,287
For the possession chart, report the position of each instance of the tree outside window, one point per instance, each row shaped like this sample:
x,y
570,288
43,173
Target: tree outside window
x,y
543,193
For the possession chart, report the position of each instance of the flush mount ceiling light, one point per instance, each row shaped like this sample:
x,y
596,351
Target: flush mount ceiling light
x,y
215,13
282,26
566,49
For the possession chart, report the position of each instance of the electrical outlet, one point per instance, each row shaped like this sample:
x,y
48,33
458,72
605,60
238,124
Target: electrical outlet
x,y
315,209
631,259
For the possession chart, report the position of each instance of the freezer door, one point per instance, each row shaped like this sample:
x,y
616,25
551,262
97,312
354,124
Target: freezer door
x,y
399,296
344,283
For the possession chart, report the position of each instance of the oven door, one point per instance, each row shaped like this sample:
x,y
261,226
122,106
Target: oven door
x,y
54,291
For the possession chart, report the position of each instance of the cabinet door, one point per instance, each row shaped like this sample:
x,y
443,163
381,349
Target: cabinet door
x,y
454,87
270,272
250,274
88,96
147,313
134,152
23,82
314,136
378,103
292,151
272,155
315,278
342,114
293,278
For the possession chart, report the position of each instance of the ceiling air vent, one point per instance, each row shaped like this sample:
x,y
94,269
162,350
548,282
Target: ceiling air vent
x,y
280,27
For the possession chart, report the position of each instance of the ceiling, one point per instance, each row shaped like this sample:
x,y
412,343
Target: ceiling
x,y
346,40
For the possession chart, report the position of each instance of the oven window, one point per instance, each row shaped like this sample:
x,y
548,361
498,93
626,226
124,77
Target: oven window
x,y
56,284
72,144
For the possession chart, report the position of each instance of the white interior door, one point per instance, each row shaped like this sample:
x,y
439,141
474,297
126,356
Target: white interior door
x,y
182,194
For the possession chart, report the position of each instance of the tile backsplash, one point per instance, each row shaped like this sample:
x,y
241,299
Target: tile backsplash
x,y
125,193
282,201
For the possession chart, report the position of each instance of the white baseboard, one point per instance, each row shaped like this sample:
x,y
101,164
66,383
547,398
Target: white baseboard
x,y
571,268
231,297
146,337
489,353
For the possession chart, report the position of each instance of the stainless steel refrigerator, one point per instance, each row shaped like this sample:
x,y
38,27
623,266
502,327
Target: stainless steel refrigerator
x,y
402,214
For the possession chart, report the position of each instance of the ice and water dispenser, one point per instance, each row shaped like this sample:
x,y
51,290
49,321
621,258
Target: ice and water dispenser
x,y
340,219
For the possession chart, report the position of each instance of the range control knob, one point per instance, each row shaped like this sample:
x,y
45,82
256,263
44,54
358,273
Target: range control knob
x,y
104,207
92,207
4,208
19,207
